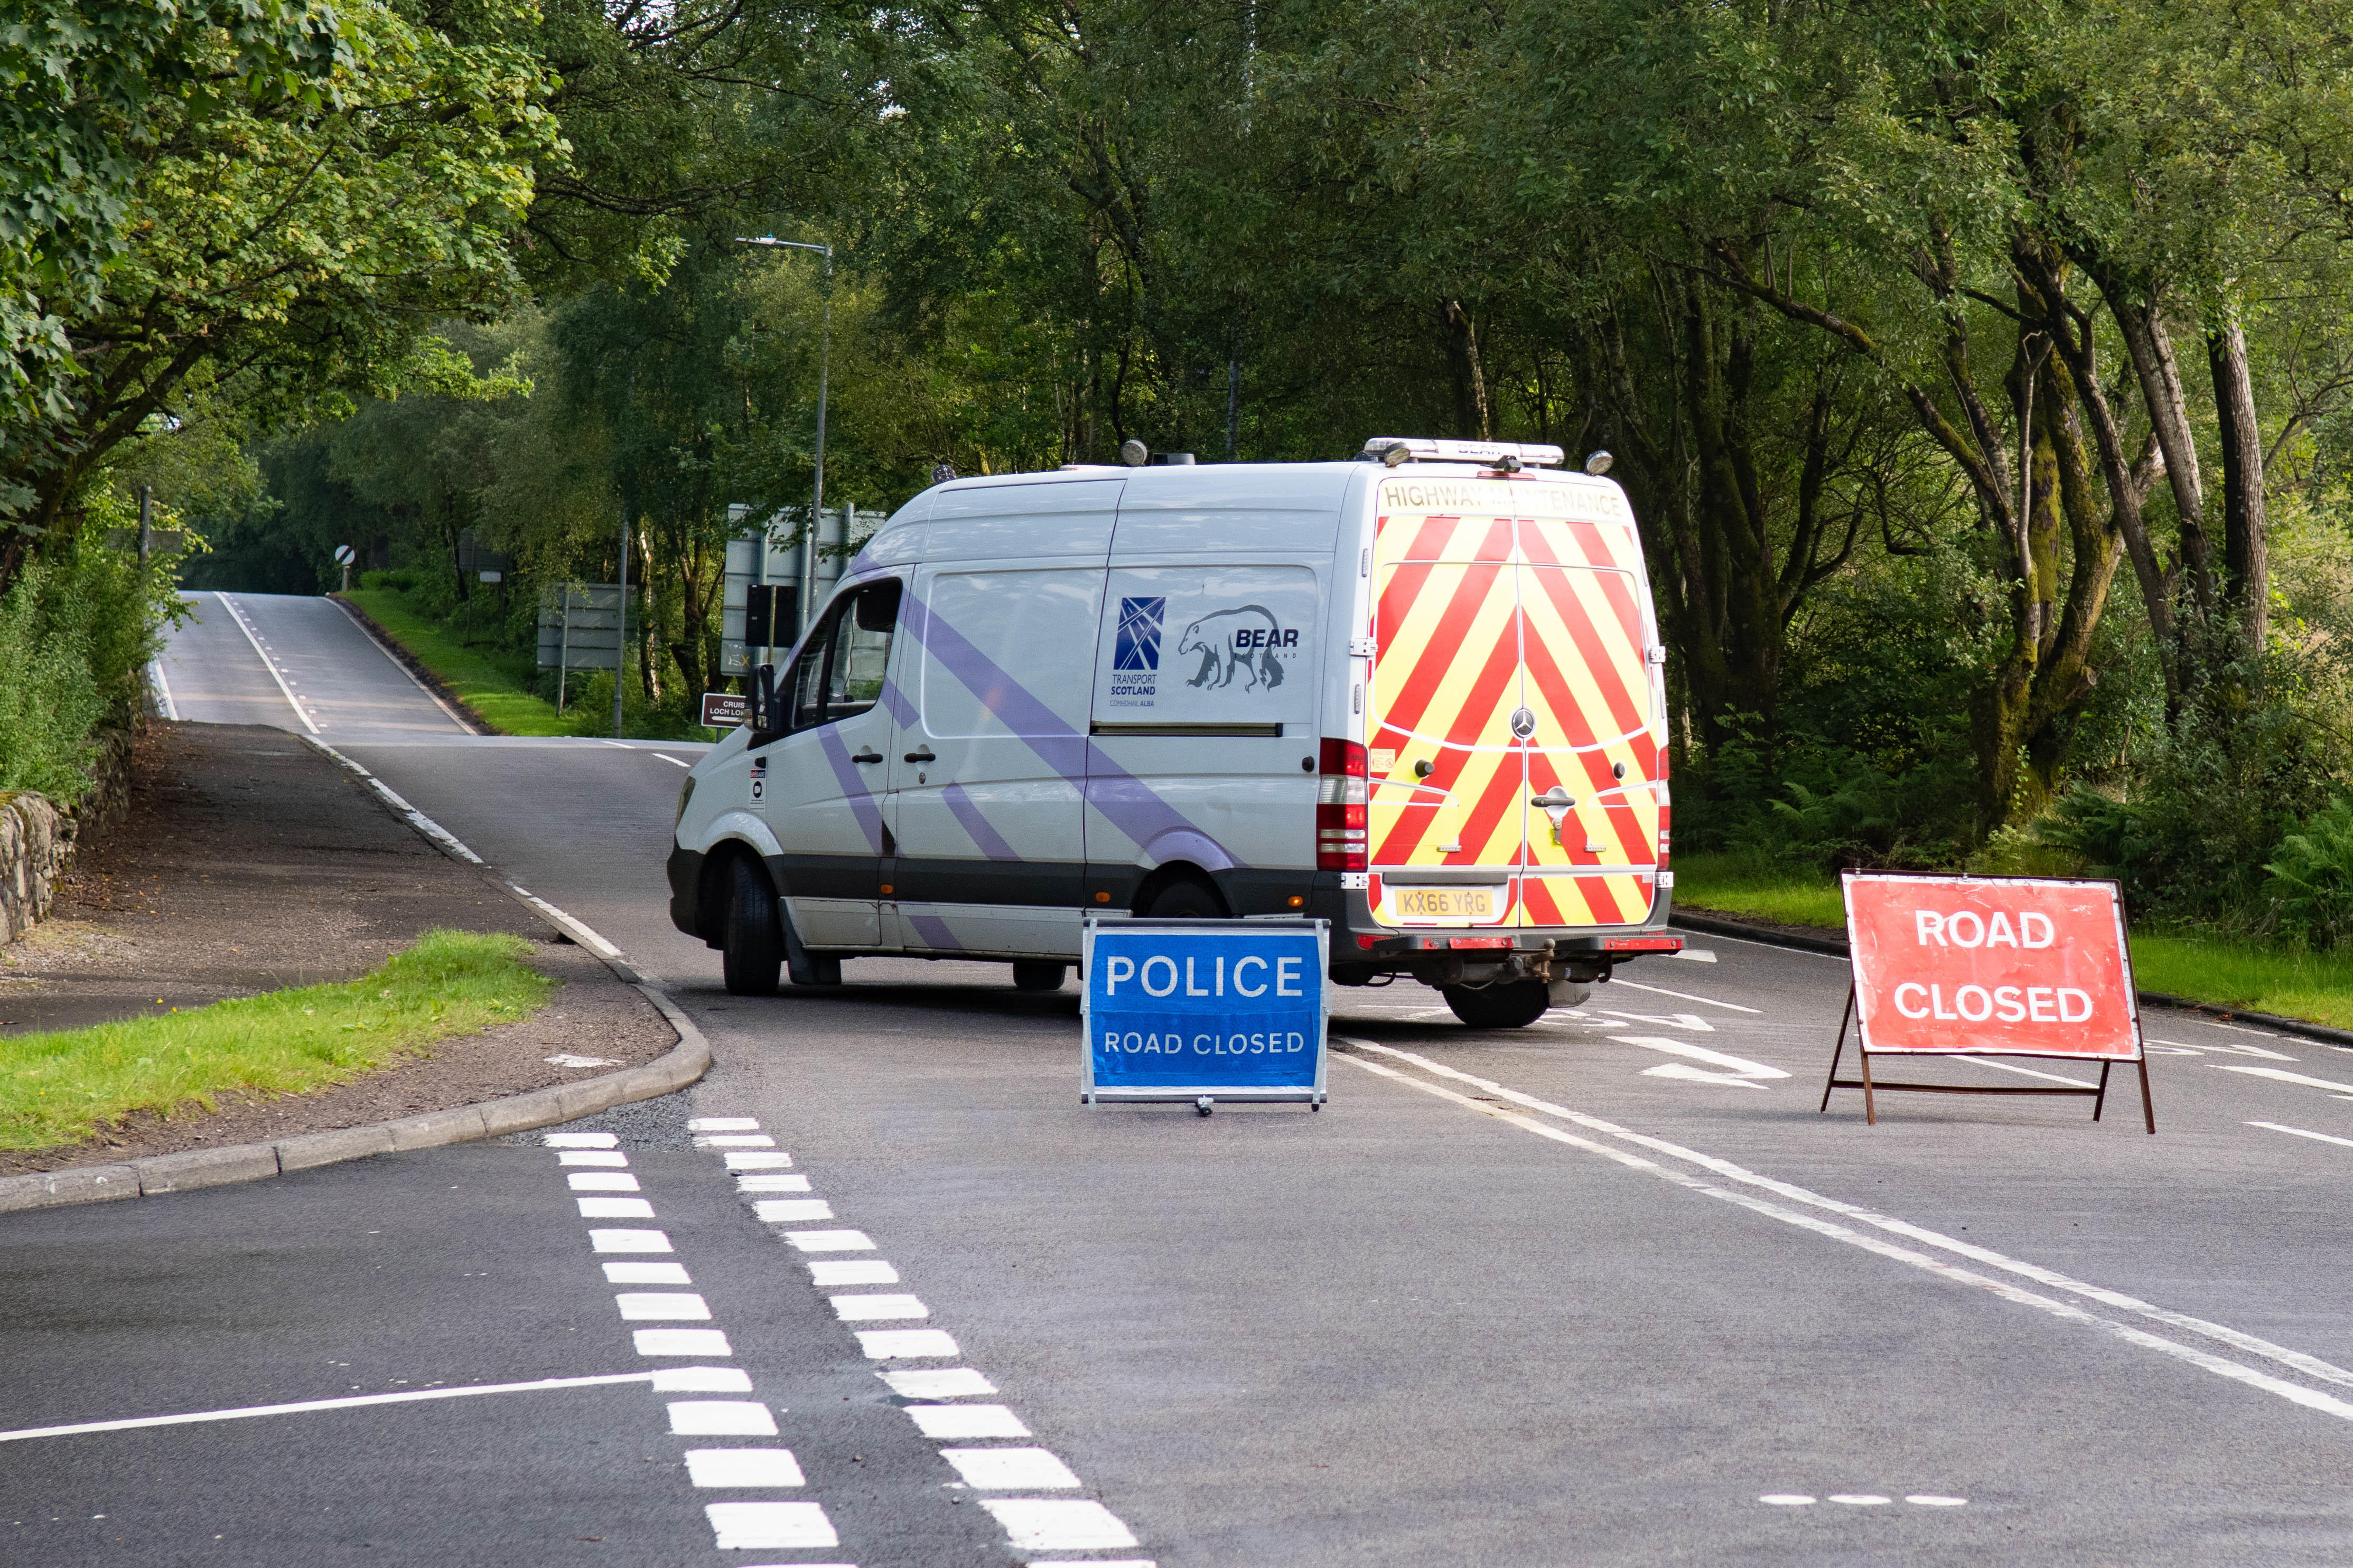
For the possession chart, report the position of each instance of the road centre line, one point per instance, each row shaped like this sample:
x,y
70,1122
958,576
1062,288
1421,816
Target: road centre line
x,y
2300,1132
239,616
406,1396
1688,996
2310,1365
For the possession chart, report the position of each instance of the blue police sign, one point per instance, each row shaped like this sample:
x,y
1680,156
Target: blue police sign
x,y
1205,1010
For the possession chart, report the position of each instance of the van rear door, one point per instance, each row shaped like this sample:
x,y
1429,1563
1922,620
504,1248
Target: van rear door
x,y
1509,683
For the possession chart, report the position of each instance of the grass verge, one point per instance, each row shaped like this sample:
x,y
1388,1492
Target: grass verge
x,y
62,1088
484,683
2222,972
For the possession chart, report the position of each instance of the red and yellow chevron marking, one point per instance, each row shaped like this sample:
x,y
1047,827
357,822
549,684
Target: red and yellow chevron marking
x,y
1476,615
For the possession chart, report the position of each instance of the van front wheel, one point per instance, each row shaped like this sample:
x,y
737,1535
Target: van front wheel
x,y
752,951
1039,976
1513,1006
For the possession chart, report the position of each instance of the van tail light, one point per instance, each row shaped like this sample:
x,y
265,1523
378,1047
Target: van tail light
x,y
1342,808
1665,839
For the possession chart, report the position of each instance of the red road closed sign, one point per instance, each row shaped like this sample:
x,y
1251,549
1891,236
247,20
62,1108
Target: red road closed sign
x,y
2006,965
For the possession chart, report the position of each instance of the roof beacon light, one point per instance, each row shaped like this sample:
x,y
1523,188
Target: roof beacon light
x,y
1508,456
1597,464
1135,453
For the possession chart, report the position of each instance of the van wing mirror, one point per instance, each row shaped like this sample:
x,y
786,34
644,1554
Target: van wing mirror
x,y
768,715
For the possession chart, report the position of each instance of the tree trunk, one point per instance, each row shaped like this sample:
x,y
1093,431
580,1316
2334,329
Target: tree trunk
x,y
2246,552
1471,417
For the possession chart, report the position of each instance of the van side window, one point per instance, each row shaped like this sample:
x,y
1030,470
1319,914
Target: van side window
x,y
840,668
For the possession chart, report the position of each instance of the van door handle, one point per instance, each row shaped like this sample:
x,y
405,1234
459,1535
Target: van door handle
x,y
1555,797
921,756
867,756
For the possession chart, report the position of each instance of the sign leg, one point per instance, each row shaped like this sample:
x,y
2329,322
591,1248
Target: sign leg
x,y
1870,1110
2148,1111
1837,1051
2101,1099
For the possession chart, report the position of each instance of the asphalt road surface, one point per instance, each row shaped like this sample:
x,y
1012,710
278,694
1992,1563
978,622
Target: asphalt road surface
x,y
1605,1291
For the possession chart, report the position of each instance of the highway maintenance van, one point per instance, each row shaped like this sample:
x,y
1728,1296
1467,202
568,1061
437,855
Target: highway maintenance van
x,y
1418,695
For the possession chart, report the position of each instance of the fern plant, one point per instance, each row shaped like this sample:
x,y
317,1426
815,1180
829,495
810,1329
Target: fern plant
x,y
2312,878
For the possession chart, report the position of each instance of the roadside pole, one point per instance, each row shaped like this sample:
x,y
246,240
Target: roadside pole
x,y
621,629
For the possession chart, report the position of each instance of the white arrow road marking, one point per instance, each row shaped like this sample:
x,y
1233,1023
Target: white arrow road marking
x,y
1737,1070
2284,1076
1691,1021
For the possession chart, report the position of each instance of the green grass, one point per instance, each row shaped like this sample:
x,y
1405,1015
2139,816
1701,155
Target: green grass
x,y
1747,885
62,1088
2223,971
495,688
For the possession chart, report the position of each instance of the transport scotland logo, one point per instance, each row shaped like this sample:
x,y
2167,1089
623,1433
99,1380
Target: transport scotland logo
x,y
1139,634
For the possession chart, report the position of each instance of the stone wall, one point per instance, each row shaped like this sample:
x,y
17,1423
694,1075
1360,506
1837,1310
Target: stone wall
x,y
38,839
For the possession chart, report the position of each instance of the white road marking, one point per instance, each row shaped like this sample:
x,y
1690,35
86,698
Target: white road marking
x,y
735,1141
618,745
906,1344
246,1412
628,1241
740,1469
702,1380
611,1158
721,1418
937,1383
242,625
755,1161
877,1309
770,1526
830,1240
1776,948
663,1307
2282,1076
851,1271
2300,1132
578,930
966,1421
1695,956
1690,1021
1860,1499
673,761
1740,1068
1010,1470
2312,1366
1686,997
645,1274
1689,1074
793,1210
570,1059
681,1342
772,1183
601,1181
580,1140
1936,1499
615,1208
2232,1046
163,689
1058,1524
722,1124
2024,1072
430,695
1786,1500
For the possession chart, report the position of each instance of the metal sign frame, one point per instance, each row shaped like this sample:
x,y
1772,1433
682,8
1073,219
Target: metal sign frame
x,y
1262,1094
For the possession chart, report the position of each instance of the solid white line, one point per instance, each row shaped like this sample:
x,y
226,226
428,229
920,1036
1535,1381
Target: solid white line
x,y
1775,946
163,688
2029,1072
239,616
2310,1365
1688,996
430,695
2284,1076
2300,1132
405,1397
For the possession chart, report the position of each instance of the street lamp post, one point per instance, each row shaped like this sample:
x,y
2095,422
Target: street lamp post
x,y
824,367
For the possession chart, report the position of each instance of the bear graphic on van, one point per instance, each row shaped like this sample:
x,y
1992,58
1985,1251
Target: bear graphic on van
x,y
1239,641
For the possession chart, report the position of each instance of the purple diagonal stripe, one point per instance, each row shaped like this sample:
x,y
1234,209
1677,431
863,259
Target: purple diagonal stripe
x,y
1126,800
853,787
903,710
967,812
933,932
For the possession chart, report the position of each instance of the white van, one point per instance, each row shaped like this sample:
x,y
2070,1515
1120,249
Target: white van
x,y
1418,694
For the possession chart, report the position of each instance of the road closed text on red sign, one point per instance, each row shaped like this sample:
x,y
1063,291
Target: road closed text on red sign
x,y
2018,967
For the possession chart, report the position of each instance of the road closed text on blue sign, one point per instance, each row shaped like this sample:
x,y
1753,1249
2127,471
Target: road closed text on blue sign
x,y
1234,1008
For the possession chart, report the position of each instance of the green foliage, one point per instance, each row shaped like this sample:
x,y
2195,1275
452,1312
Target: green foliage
x,y
62,1087
2312,878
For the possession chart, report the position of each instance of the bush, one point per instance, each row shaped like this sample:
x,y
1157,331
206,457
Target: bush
x,y
76,628
2311,883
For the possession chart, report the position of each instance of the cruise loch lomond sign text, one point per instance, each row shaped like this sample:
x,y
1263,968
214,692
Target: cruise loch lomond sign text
x,y
1204,1011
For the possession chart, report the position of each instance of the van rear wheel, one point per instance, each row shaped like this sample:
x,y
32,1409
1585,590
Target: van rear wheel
x,y
752,952
1513,1006
1039,976
1186,901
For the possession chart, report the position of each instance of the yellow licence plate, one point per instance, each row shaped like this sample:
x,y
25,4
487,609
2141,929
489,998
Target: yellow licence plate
x,y
1442,903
